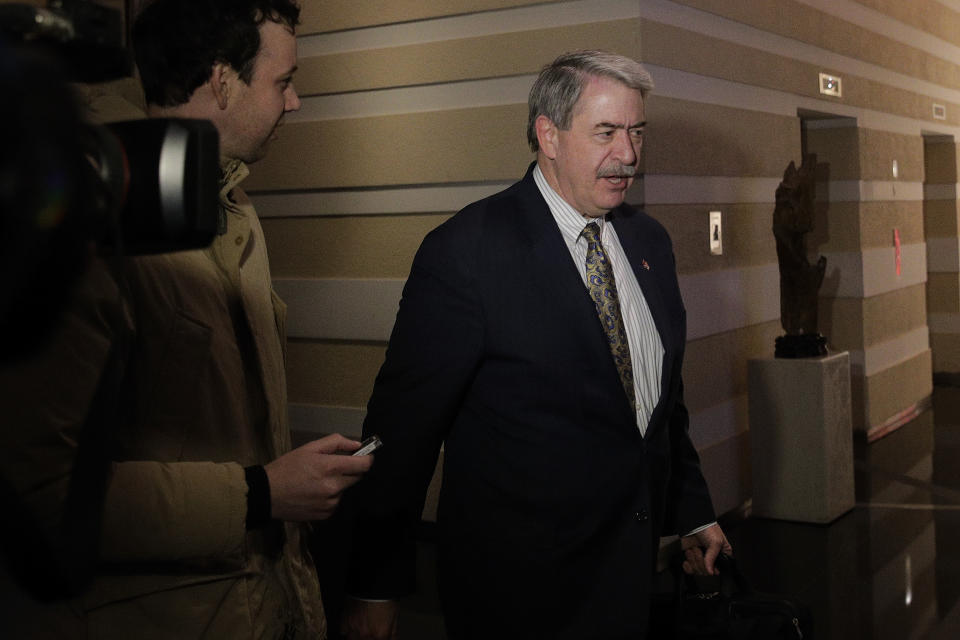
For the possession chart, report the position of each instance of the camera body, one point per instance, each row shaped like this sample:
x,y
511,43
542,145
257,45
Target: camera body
x,y
70,189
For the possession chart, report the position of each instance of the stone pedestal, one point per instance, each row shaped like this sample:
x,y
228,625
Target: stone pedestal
x,y
801,438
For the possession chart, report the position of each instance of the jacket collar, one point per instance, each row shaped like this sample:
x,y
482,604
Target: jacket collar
x,y
232,173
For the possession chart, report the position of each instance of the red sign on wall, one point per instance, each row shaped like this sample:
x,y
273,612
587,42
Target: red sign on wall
x,y
896,248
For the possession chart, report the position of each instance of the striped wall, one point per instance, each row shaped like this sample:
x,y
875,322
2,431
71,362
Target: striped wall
x,y
412,109
942,228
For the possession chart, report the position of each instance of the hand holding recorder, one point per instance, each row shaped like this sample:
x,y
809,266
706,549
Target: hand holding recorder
x,y
307,483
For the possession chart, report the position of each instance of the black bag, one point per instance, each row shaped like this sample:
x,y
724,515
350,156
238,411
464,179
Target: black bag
x,y
725,607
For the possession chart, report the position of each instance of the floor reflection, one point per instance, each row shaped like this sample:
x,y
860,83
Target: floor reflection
x,y
889,569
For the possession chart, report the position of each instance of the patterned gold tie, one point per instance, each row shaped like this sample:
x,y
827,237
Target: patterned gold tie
x,y
603,290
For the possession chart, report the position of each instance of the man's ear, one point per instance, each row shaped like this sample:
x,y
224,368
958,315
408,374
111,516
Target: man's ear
x,y
546,136
221,81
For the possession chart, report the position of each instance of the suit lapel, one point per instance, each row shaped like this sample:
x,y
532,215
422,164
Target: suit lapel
x,y
550,261
551,266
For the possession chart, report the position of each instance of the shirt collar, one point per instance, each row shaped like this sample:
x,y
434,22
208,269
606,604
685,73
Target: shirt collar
x,y
570,221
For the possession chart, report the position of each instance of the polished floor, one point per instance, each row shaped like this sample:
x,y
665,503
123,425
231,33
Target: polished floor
x,y
887,570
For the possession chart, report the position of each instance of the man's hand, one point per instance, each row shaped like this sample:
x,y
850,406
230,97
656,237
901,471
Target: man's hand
x,y
364,620
701,550
306,483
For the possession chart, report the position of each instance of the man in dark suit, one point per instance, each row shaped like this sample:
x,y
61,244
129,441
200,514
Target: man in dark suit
x,y
545,354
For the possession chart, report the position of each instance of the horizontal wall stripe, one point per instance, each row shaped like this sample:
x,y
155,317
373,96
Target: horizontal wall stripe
x,y
944,322
718,423
721,301
571,13
946,355
672,189
943,255
943,292
715,26
652,189
513,90
715,367
314,421
869,191
881,356
487,56
465,26
684,85
806,28
365,309
679,132
434,97
941,191
347,247
373,201
873,271
459,146
886,26
880,324
896,391
669,82
340,309
318,16
336,373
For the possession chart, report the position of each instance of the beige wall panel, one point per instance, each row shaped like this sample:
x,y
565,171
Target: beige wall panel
x,y
690,138
836,227
940,160
347,247
696,53
800,22
879,219
461,145
677,48
926,15
943,292
841,321
747,235
726,467
889,315
878,149
857,226
332,373
320,16
838,152
941,218
890,392
946,352
879,96
715,367
507,54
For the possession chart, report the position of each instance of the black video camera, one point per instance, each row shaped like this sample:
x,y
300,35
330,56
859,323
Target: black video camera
x,y
69,189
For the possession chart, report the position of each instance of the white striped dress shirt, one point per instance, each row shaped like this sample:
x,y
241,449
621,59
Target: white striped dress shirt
x,y
646,348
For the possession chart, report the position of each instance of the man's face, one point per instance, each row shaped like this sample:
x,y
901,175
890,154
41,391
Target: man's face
x,y
596,158
256,110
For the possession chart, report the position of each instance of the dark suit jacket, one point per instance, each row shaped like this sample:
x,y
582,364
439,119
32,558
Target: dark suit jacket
x,y
552,503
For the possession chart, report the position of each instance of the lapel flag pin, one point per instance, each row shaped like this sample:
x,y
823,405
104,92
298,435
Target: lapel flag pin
x,y
643,263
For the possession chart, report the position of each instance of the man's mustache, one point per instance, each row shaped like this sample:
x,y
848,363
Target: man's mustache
x,y
617,170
